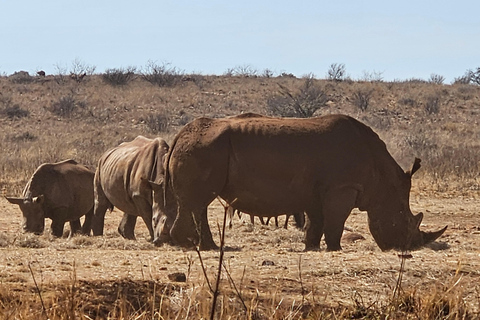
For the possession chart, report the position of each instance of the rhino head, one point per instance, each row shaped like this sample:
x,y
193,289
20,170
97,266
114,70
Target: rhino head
x,y
392,224
163,215
32,211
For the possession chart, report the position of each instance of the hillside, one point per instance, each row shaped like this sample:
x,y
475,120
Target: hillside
x,y
45,119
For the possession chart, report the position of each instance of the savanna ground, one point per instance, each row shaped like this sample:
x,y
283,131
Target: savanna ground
x,y
266,274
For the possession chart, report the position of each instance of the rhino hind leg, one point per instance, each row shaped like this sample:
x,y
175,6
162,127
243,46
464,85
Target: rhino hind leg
x,y
337,207
87,223
101,204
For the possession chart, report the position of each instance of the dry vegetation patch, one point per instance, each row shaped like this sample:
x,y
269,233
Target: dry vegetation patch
x,y
266,274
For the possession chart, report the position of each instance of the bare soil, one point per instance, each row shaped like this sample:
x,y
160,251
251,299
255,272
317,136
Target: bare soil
x,y
261,260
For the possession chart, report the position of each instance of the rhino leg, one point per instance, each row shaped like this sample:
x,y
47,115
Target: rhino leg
x,y
100,207
75,226
299,220
206,239
127,226
57,227
191,229
87,223
313,229
145,210
337,207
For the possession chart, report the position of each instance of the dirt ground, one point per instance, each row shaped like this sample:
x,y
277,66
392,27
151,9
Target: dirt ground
x,y
262,259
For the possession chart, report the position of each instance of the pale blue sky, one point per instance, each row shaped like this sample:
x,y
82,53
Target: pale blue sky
x,y
401,39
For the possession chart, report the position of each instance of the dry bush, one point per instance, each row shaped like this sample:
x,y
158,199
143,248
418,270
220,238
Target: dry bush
x,y
119,76
21,77
336,72
436,79
309,98
157,122
14,112
361,98
161,75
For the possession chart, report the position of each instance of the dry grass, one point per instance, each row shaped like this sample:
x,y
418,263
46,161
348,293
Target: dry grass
x,y
266,274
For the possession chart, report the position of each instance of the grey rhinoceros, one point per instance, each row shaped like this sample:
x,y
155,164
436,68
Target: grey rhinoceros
x,y
61,191
323,166
130,177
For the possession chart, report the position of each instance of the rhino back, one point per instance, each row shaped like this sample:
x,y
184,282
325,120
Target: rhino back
x,y
275,165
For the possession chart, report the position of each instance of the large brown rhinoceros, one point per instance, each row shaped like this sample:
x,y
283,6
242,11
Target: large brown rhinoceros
x,y
323,166
129,177
61,191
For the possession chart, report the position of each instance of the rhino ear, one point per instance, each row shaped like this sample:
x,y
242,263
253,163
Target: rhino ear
x,y
38,200
18,201
416,165
156,185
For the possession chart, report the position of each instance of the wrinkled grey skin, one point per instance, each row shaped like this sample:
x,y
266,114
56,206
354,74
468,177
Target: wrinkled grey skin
x,y
62,192
130,177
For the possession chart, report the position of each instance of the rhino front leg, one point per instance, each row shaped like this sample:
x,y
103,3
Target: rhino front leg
x,y
337,207
57,227
313,229
206,239
127,226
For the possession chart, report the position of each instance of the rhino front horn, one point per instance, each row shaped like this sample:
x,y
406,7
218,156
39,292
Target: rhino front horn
x,y
432,236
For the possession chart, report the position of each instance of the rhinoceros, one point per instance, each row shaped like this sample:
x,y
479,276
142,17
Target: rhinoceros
x,y
323,166
129,177
61,191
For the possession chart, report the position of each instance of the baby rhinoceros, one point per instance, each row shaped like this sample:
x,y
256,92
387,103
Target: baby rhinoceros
x,y
61,191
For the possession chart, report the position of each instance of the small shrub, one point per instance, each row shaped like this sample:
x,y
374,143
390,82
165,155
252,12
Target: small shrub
x,y
161,75
336,72
80,69
361,98
375,76
245,71
475,76
408,102
119,77
432,105
157,123
14,112
21,77
26,136
303,104
465,79
64,107
436,79
267,73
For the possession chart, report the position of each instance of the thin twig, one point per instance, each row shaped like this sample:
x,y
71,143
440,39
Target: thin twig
x,y
300,277
203,269
239,295
220,263
398,285
38,291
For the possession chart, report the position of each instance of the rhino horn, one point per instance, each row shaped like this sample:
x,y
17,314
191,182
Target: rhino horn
x,y
14,200
432,236
418,220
